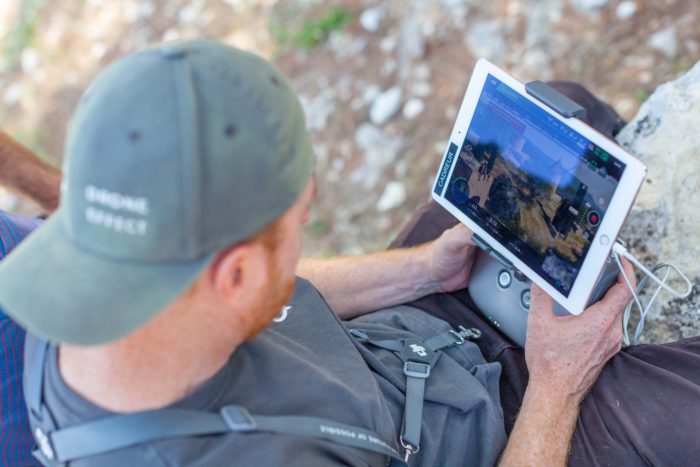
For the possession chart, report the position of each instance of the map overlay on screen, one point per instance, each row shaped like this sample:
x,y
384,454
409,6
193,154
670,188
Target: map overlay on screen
x,y
538,187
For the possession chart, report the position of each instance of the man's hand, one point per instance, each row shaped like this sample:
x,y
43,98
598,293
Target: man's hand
x,y
360,284
451,257
564,355
572,350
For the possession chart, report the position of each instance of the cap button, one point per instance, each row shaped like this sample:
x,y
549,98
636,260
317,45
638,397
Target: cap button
x,y
173,51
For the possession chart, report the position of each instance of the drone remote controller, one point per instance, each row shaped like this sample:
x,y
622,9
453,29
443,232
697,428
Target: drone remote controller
x,y
502,293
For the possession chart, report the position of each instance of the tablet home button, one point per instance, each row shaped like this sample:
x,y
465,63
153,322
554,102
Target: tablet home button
x,y
604,240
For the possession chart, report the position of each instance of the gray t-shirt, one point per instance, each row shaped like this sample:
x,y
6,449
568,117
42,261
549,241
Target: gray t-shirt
x,y
310,365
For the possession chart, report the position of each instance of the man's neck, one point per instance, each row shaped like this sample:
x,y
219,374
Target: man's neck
x,y
152,368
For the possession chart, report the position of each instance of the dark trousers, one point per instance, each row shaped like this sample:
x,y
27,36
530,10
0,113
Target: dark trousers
x,y
645,407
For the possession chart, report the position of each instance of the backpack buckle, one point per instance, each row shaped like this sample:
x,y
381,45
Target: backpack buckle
x,y
238,419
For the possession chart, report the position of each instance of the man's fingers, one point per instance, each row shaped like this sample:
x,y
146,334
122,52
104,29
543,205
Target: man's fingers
x,y
615,299
462,234
629,271
455,239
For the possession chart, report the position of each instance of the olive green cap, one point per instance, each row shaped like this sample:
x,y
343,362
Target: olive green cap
x,y
174,153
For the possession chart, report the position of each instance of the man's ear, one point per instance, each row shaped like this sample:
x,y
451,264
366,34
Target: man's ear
x,y
238,274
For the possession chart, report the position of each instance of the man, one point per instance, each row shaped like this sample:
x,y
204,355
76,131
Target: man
x,y
165,270
26,174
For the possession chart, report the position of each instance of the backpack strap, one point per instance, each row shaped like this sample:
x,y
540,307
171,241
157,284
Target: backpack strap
x,y
122,431
58,446
418,358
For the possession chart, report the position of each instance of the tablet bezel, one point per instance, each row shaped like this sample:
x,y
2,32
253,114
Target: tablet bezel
x,y
611,223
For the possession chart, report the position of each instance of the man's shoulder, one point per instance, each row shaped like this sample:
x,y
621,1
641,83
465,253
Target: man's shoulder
x,y
13,229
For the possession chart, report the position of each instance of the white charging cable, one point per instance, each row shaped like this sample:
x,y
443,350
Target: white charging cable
x,y
619,250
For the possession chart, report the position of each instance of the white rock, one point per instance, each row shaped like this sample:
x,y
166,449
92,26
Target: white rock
x,y
29,60
8,200
374,141
537,60
344,45
371,19
665,41
624,106
394,194
589,6
98,50
13,94
319,109
626,9
664,135
411,40
457,10
541,15
236,4
188,14
385,105
486,39
428,29
440,146
171,35
379,150
422,72
413,108
136,11
388,44
421,89
370,93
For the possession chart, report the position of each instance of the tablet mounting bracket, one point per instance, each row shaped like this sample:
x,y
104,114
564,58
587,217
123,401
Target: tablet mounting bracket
x,y
554,100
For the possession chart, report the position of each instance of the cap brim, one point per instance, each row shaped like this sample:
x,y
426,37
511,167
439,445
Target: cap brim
x,y
65,293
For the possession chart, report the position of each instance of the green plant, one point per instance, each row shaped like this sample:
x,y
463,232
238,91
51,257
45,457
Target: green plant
x,y
22,32
312,32
640,95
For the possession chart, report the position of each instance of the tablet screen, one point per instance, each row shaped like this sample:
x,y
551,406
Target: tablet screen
x,y
537,186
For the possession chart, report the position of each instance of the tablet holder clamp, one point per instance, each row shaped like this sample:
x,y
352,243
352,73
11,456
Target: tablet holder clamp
x,y
499,290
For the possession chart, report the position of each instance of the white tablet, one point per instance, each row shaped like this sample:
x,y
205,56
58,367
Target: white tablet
x,y
548,193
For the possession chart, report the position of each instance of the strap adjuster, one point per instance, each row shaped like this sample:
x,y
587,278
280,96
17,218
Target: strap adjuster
x,y
43,442
463,334
408,449
238,419
416,369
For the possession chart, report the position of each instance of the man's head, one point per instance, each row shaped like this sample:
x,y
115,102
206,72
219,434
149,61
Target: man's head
x,y
184,160
246,285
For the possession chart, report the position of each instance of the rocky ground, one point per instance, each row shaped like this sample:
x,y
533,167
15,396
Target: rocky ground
x,y
381,82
